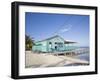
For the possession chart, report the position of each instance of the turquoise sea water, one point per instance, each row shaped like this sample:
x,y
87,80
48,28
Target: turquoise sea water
x,y
85,56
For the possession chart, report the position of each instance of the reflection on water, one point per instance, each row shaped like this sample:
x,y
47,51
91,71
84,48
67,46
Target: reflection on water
x,y
82,57
85,57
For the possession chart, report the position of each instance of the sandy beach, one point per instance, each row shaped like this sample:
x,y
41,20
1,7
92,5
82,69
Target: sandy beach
x,y
34,60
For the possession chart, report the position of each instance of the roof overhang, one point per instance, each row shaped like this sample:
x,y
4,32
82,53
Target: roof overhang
x,y
69,42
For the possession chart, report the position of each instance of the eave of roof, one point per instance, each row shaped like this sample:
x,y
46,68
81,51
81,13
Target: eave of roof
x,y
49,38
66,42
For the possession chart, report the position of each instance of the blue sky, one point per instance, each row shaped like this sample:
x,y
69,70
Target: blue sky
x,y
71,27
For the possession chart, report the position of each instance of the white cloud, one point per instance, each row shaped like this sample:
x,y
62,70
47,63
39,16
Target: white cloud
x,y
66,29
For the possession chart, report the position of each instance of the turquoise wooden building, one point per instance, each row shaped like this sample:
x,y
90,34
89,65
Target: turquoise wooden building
x,y
53,44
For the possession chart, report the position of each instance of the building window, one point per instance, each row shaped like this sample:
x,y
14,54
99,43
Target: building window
x,y
55,42
60,44
50,43
55,47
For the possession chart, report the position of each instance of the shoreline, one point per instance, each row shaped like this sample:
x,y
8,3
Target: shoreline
x,y
34,60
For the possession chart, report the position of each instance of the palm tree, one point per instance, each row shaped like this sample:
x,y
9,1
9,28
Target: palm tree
x,y
29,42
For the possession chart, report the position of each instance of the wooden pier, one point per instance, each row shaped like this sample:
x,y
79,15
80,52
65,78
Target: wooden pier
x,y
72,52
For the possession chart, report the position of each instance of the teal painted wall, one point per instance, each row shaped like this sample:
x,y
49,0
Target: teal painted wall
x,y
40,46
70,47
55,44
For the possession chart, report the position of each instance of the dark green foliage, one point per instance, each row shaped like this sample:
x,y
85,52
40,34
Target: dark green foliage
x,y
29,42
